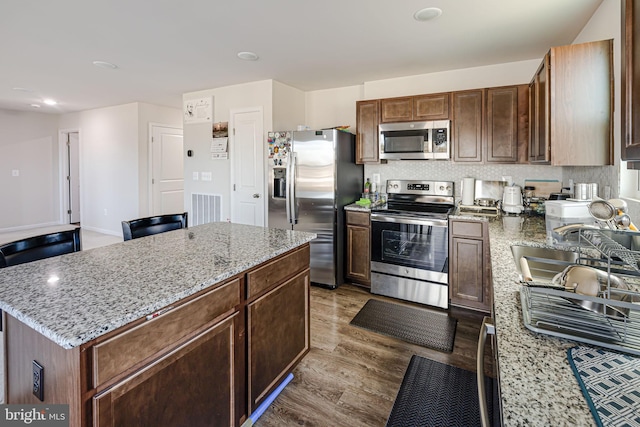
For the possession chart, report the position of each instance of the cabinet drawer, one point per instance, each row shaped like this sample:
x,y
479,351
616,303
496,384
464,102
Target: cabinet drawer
x,y
358,218
269,275
467,228
124,351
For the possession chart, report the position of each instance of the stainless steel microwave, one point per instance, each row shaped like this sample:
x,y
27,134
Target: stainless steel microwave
x,y
415,140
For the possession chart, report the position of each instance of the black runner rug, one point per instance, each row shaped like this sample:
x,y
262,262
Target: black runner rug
x,y
424,327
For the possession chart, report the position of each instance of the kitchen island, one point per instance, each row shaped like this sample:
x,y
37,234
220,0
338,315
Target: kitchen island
x,y
203,311
537,385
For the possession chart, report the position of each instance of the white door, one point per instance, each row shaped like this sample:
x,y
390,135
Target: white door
x,y
167,170
73,176
247,159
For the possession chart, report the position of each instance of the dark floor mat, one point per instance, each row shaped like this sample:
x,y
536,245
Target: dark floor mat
x,y
435,394
420,326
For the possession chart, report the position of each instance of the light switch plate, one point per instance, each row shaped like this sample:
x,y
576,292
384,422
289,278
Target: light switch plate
x,y
196,176
376,178
206,176
15,172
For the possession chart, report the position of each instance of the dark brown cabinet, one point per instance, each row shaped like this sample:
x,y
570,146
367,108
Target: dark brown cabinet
x,y
539,151
467,125
358,262
630,116
415,108
572,106
278,334
502,125
491,125
191,385
469,265
367,120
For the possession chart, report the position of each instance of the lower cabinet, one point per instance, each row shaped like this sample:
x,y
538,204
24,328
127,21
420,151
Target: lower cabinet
x,y
192,385
358,260
278,335
469,265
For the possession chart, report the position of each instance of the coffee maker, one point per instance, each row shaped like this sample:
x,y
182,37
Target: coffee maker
x,y
512,199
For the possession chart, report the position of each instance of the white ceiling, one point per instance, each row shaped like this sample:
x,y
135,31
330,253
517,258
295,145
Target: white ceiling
x,y
164,48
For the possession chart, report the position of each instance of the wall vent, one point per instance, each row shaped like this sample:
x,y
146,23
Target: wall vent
x,y
205,208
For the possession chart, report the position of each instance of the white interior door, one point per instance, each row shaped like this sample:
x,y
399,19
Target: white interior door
x,y
73,176
167,170
247,148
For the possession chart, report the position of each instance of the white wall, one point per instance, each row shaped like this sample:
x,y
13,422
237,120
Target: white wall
x,y
197,137
333,107
288,107
109,167
28,143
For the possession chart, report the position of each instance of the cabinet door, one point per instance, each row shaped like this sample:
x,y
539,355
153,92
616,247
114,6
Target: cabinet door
x,y
502,125
630,117
394,110
431,107
278,336
467,275
190,386
540,152
359,254
467,126
367,118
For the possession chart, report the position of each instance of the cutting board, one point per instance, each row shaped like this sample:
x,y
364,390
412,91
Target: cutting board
x,y
544,187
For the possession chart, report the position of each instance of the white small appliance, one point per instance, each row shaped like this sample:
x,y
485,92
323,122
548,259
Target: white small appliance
x,y
512,199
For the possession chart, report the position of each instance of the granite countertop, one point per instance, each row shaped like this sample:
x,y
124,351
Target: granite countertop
x,y
537,384
77,297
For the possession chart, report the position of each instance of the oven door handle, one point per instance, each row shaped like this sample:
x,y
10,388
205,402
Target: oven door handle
x,y
406,220
487,329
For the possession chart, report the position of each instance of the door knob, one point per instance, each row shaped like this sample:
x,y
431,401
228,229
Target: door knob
x,y
256,196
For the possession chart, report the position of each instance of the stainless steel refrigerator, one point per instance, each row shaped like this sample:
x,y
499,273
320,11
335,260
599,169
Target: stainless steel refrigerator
x,y
312,175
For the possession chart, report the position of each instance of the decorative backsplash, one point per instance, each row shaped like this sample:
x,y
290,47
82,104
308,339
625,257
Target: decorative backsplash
x,y
443,170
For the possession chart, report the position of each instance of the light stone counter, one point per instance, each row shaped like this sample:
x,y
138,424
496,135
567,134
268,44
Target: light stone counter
x,y
537,385
75,298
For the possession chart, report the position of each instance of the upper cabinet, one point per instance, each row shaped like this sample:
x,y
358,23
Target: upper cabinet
x,y
415,108
491,125
630,117
468,112
571,106
367,119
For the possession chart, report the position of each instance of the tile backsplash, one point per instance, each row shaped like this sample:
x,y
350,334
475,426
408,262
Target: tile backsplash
x,y
446,170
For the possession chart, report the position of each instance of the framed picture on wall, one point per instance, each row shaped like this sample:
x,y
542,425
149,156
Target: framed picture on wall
x,y
198,110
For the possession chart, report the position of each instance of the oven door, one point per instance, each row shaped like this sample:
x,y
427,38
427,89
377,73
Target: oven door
x,y
399,243
409,259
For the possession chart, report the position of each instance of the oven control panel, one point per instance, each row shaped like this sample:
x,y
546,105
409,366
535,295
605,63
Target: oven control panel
x,y
426,188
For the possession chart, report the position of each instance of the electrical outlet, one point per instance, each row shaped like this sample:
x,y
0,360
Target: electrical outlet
x,y
38,381
508,179
196,176
376,178
106,212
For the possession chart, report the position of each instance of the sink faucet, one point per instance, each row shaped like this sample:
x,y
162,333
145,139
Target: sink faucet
x,y
564,229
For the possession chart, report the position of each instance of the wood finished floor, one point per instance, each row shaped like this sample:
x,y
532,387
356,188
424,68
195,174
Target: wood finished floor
x,y
351,376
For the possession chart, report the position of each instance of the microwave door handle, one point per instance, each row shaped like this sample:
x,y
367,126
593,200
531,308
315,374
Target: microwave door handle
x,y
487,329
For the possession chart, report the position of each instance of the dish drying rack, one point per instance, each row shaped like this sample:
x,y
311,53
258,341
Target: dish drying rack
x,y
555,312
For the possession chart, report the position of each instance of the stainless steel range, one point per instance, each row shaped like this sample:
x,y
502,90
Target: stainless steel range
x,y
409,242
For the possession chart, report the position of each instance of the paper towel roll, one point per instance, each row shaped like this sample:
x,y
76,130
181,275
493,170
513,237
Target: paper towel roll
x,y
468,191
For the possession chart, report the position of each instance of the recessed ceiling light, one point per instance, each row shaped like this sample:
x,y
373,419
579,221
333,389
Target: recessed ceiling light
x,y
104,64
427,14
49,101
248,56
35,105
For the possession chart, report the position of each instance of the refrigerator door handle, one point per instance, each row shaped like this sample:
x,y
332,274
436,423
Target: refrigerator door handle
x,y
291,183
287,194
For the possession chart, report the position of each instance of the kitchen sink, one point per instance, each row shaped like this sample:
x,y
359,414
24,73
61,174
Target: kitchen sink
x,y
544,263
